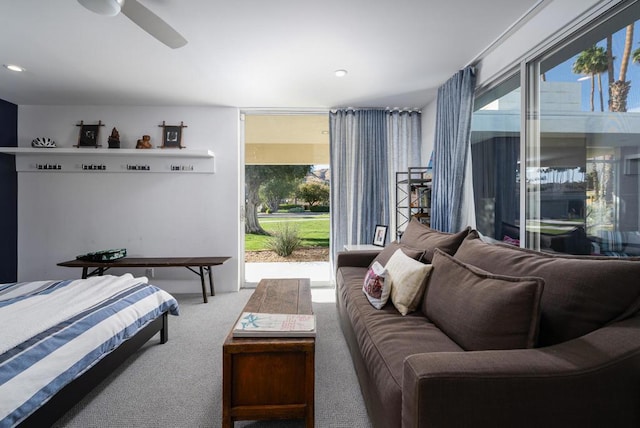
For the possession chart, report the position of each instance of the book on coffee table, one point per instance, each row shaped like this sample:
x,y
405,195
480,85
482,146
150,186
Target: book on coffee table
x,y
255,324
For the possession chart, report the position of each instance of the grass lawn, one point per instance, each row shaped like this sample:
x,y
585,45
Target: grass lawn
x,y
313,230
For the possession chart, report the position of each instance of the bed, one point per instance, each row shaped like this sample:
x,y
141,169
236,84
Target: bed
x,y
58,339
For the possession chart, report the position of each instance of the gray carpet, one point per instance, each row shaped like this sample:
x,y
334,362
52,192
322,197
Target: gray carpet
x,y
179,384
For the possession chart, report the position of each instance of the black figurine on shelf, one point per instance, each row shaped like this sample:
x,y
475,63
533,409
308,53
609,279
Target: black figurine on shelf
x,y
114,139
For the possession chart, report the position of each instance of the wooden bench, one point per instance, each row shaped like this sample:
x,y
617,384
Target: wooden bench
x,y
204,265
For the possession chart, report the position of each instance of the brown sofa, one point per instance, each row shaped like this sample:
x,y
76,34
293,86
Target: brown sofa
x,y
450,363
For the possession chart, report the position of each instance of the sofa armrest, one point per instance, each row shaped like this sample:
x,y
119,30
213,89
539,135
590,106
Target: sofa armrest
x,y
591,381
361,258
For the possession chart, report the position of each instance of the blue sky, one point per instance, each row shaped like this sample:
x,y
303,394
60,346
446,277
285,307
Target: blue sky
x,y
563,73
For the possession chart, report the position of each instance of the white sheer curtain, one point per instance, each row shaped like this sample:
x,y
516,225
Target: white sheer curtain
x,y
367,147
404,143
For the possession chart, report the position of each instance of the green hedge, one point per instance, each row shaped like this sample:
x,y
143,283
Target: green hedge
x,y
319,209
287,207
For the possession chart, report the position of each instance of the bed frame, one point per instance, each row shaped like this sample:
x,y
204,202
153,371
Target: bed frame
x,y
77,389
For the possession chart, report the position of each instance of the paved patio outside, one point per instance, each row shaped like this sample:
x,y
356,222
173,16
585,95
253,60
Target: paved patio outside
x,y
318,272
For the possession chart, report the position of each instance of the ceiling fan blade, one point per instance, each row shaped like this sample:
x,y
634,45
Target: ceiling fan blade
x,y
152,24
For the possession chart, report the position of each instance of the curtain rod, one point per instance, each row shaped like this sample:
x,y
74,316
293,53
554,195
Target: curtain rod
x,y
284,111
398,109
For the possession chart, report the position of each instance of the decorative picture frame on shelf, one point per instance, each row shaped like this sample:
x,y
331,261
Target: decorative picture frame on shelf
x,y
380,235
89,134
172,136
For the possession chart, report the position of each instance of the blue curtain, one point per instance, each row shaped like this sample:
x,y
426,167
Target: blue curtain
x,y
365,147
451,149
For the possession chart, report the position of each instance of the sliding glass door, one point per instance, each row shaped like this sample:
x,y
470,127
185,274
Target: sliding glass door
x,y
495,156
588,104
572,165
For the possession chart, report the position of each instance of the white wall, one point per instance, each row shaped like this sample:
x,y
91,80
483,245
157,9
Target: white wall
x,y
428,130
62,215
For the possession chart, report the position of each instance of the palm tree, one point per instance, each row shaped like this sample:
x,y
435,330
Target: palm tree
x,y
581,66
610,71
593,62
636,56
620,88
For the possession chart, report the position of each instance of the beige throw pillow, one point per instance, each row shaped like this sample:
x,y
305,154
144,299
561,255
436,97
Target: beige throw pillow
x,y
407,278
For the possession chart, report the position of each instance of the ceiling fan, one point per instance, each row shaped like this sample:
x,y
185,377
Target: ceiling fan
x,y
141,16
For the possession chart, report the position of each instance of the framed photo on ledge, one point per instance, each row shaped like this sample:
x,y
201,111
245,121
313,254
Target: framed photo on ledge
x,y
88,136
380,235
172,136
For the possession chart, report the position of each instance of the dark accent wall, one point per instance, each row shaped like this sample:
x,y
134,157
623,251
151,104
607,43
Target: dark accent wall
x,y
8,194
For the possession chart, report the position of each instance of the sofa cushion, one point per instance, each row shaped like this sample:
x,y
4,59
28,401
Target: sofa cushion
x,y
482,311
388,251
581,293
418,235
407,278
375,287
511,241
574,241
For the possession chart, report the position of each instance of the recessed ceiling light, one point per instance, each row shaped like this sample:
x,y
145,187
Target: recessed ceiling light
x,y
13,67
341,73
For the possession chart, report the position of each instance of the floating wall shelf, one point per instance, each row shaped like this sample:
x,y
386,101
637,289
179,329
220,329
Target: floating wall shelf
x,y
94,160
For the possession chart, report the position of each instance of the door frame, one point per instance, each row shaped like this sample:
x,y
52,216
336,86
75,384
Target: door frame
x,y
243,112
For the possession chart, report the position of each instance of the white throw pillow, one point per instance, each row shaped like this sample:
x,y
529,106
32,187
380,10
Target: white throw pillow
x,y
407,278
375,287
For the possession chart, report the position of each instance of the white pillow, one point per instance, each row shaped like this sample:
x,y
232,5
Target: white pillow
x,y
407,278
375,287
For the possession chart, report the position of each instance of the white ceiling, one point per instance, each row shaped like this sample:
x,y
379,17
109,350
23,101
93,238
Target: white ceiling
x,y
247,53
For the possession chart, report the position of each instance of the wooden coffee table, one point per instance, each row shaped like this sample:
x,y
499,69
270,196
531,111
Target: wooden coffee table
x,y
270,378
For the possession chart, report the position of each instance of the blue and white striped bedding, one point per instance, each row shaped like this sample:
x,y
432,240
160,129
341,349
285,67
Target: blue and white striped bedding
x,y
53,331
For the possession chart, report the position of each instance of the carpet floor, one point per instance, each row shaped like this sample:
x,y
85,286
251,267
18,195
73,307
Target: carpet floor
x,y
179,384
